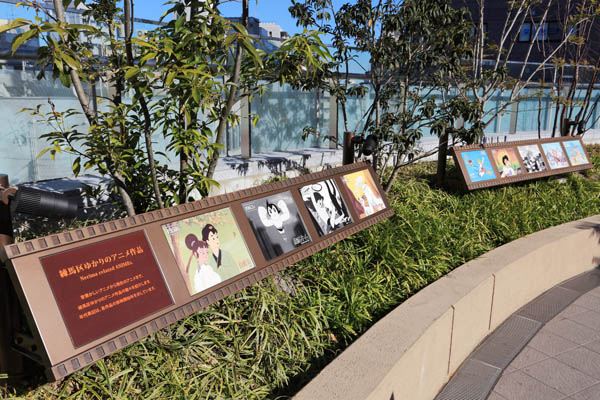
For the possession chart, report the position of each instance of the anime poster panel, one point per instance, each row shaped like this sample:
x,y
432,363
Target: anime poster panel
x,y
575,152
209,249
555,155
478,165
325,206
533,161
365,196
277,224
507,162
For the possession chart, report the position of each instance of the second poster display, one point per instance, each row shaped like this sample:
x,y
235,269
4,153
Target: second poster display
x,y
501,163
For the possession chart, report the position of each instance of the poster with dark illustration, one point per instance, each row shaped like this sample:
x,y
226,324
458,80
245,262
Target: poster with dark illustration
x,y
532,158
326,206
208,248
277,224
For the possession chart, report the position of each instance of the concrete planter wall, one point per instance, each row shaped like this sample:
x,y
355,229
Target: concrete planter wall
x,y
413,351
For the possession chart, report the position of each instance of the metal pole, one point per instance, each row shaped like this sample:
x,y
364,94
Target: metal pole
x,y
348,155
10,361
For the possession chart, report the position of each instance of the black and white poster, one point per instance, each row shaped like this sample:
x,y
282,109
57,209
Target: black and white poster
x,y
277,224
326,206
532,158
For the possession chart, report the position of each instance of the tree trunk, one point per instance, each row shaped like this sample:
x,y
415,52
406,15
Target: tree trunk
x,y
226,111
128,5
89,114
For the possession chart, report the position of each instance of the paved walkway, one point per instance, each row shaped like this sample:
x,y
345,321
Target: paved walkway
x,y
562,361
547,350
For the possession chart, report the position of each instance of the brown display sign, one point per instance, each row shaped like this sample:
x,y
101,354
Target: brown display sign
x,y
509,162
94,290
105,286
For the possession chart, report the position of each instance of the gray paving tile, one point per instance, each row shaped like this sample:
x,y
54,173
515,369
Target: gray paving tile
x,y
572,331
594,346
589,302
496,396
526,357
520,386
509,369
550,344
582,359
571,311
594,292
591,393
591,319
559,376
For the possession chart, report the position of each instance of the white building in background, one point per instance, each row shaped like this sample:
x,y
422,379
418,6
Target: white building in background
x,y
272,30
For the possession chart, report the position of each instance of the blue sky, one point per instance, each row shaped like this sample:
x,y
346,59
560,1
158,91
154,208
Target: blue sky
x,y
265,10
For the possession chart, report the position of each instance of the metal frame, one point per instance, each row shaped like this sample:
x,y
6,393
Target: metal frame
x,y
51,344
524,176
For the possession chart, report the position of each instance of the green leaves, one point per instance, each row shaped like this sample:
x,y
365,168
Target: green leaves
x,y
22,38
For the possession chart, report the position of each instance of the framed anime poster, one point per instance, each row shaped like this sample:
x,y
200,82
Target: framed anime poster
x,y
208,248
363,191
575,152
325,206
533,161
507,162
555,155
478,166
277,224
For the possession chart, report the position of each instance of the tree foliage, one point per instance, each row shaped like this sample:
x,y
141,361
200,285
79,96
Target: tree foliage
x,y
181,80
417,50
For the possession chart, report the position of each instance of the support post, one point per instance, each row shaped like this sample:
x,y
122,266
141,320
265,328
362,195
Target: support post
x,y
333,122
348,152
514,114
11,363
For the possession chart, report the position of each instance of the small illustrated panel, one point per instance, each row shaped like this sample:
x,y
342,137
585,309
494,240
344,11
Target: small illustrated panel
x,y
575,152
532,158
365,196
277,224
507,162
105,286
208,248
555,155
325,206
478,166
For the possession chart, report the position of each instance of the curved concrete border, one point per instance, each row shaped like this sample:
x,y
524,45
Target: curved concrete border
x,y
413,351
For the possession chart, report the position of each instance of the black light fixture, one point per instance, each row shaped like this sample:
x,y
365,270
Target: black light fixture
x,y
42,203
369,145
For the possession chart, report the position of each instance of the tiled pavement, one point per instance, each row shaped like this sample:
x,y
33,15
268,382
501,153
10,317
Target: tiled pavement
x,y
562,361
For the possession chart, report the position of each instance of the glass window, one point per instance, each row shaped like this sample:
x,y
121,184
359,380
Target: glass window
x,y
525,33
554,31
542,34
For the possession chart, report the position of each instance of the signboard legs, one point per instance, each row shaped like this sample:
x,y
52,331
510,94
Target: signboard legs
x,y
10,361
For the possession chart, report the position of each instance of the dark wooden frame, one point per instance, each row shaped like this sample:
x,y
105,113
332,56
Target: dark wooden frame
x,y
524,176
51,344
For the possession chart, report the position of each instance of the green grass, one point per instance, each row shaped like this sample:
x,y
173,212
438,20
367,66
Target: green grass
x,y
264,343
